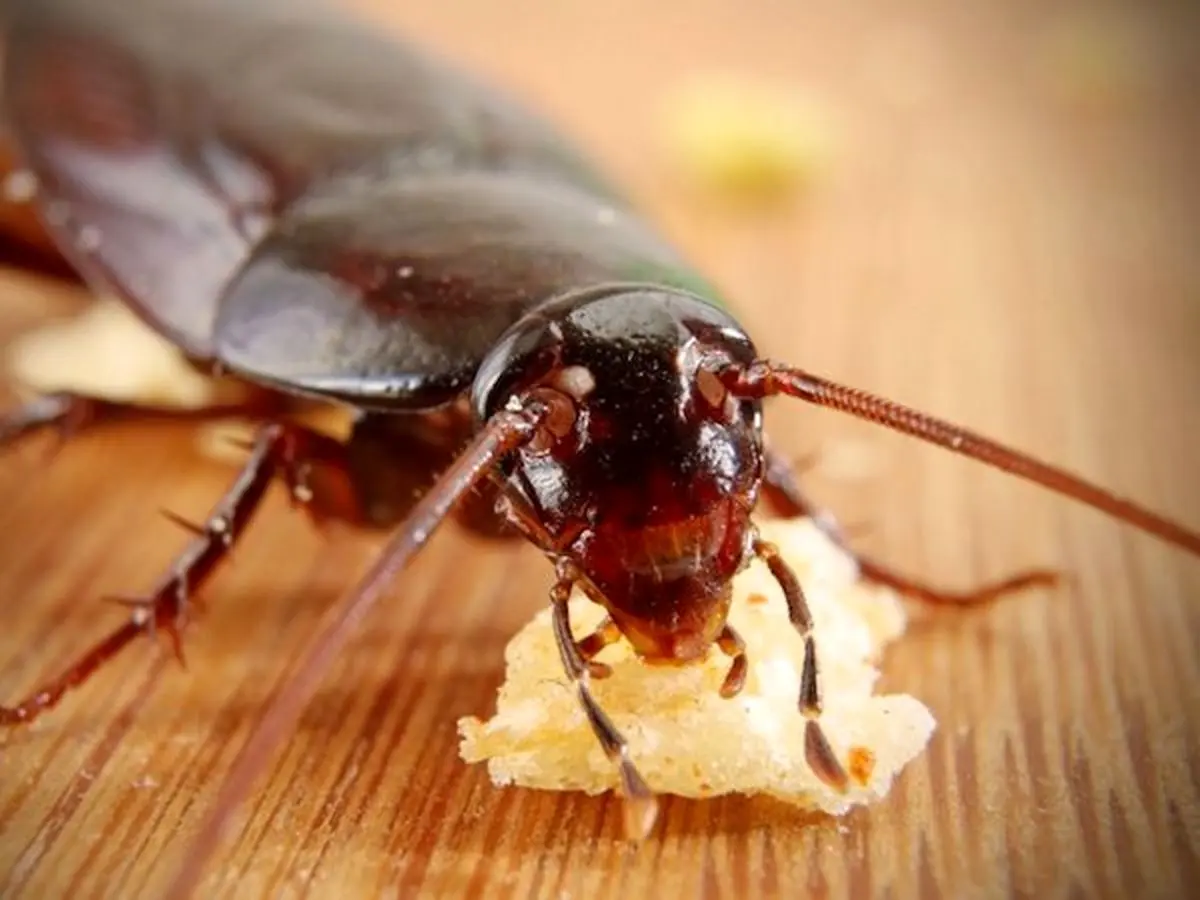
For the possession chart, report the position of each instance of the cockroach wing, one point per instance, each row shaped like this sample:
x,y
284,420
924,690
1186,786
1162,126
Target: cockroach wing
x,y
166,136
135,212
389,295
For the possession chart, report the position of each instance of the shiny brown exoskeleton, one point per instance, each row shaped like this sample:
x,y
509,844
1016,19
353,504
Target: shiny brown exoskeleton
x,y
299,201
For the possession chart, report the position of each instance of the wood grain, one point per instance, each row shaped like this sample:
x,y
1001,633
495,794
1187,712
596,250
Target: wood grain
x,y
992,245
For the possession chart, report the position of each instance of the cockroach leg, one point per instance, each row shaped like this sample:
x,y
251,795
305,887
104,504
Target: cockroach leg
x,y
529,522
817,752
64,412
291,451
734,647
641,807
606,633
783,492
67,413
765,378
504,433
398,458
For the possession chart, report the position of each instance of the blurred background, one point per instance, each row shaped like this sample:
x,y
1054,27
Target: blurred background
x,y
989,211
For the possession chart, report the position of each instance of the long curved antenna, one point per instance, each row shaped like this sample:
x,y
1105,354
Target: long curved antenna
x,y
763,378
504,433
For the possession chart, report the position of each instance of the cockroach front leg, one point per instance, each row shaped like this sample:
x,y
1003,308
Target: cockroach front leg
x,y
302,457
606,633
784,493
817,752
734,647
641,808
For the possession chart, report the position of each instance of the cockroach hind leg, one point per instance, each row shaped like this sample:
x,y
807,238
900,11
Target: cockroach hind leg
x,y
764,378
783,492
982,594
278,449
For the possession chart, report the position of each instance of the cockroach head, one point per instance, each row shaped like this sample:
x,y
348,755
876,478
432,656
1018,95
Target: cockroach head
x,y
620,333
646,466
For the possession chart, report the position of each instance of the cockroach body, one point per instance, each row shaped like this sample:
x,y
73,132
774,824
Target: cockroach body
x,y
352,221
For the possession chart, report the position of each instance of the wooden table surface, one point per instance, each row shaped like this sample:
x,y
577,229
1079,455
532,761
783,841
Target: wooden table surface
x,y
999,240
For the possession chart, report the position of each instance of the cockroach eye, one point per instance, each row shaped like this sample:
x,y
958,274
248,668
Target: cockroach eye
x,y
575,381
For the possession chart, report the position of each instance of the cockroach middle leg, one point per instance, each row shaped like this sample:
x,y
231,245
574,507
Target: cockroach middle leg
x,y
401,456
641,808
817,752
67,413
297,454
783,492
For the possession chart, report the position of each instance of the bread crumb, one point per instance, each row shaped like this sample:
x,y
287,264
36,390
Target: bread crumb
x,y
683,736
743,141
107,352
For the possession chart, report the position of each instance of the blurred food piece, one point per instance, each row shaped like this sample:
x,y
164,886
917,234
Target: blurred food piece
x,y
745,142
683,736
105,351
29,297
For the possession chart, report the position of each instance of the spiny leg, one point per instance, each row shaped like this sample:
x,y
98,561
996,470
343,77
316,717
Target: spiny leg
x,y
401,457
67,413
734,647
766,378
641,808
817,752
503,435
295,453
783,492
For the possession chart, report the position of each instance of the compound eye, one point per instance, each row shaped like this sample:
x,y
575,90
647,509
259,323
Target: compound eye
x,y
574,381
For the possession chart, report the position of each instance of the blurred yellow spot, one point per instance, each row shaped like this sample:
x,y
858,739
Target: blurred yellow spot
x,y
742,141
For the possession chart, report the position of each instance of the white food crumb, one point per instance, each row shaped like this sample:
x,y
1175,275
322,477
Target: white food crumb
x,y
107,352
683,736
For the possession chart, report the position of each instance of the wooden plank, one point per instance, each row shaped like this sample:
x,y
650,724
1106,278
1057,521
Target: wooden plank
x,y
984,247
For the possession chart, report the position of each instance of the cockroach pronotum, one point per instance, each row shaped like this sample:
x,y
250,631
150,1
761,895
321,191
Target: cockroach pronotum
x,y
352,221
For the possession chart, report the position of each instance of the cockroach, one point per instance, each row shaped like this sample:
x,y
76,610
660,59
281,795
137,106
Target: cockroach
x,y
301,201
